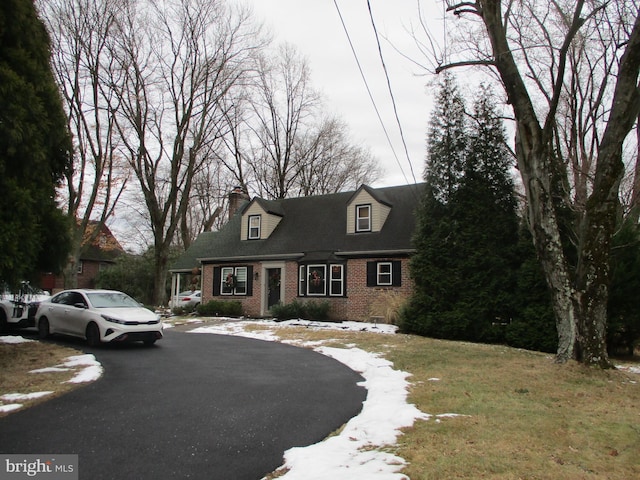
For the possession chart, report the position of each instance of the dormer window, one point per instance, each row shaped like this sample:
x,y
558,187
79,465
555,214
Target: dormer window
x,y
363,218
254,227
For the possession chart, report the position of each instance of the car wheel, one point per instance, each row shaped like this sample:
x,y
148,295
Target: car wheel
x,y
149,343
93,335
43,328
4,325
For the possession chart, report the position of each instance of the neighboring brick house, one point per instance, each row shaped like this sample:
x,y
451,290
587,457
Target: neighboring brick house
x,y
346,248
100,253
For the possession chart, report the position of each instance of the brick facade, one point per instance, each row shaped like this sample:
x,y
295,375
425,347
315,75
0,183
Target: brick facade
x,y
358,304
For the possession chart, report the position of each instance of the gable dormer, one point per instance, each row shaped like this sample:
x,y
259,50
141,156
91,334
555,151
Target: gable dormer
x,y
260,219
367,211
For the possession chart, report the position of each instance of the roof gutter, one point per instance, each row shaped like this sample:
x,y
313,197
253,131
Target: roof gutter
x,y
371,253
246,258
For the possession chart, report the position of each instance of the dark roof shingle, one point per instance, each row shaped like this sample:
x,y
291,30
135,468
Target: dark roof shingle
x,y
314,228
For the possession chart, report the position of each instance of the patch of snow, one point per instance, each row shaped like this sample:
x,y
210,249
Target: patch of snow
x,y
384,412
10,408
16,397
349,326
451,415
14,339
629,368
237,329
91,371
50,370
353,452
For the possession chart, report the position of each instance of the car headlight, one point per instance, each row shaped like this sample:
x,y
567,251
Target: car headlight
x,y
113,320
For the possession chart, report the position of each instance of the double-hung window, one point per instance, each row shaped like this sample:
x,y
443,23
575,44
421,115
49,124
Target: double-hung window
x,y
336,287
254,227
321,280
233,281
384,273
363,218
316,280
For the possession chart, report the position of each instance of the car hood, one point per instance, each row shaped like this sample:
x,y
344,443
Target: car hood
x,y
130,314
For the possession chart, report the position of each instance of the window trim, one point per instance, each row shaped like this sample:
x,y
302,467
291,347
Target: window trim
x,y
360,218
339,280
302,280
380,274
323,280
331,286
256,228
225,290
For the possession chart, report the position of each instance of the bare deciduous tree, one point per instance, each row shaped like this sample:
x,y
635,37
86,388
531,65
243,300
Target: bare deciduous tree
x,y
80,31
331,163
544,54
174,61
284,105
295,150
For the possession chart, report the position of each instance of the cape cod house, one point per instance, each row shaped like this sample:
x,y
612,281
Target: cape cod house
x,y
346,248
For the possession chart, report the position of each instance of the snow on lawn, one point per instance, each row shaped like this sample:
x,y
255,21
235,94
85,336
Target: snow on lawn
x,y
86,368
14,339
352,453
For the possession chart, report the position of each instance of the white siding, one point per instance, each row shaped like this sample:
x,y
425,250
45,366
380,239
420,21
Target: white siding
x,y
268,222
379,212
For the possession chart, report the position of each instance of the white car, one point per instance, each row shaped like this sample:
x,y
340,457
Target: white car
x,y
188,299
98,316
18,309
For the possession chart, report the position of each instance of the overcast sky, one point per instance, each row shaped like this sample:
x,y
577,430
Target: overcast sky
x,y
314,26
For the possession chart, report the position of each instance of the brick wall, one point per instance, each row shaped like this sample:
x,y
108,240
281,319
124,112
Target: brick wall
x,y
361,298
357,305
250,304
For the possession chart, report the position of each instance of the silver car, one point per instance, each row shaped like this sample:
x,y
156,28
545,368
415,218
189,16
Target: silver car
x,y
98,316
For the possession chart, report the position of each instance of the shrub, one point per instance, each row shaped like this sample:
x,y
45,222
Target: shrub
x,y
220,308
307,310
186,310
388,305
317,310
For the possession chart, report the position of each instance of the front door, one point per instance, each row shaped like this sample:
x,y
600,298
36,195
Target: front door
x,y
273,287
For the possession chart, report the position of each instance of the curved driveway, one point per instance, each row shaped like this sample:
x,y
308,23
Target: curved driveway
x,y
196,406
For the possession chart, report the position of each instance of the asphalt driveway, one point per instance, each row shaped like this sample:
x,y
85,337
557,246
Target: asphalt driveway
x,y
195,406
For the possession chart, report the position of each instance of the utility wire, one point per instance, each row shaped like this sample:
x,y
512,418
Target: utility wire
x,y
393,100
364,78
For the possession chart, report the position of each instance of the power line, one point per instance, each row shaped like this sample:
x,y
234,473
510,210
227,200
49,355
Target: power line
x,y
393,100
364,78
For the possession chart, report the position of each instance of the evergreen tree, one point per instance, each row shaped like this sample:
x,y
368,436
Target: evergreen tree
x,y
623,331
34,147
446,142
465,261
436,230
533,325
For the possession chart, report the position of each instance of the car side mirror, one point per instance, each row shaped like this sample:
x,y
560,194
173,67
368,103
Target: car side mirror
x,y
79,305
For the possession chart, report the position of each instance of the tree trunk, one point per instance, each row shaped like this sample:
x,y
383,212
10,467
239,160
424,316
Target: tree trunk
x,y
545,229
160,277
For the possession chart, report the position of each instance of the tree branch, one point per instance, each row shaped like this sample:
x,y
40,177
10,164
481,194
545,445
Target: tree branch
x,y
465,63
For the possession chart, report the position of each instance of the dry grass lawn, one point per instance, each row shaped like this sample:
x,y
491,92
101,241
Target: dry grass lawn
x,y
526,417
17,361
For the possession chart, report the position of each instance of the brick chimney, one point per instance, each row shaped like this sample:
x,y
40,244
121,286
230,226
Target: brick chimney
x,y
236,197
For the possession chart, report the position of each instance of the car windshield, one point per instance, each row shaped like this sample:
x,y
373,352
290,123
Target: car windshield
x,y
111,300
